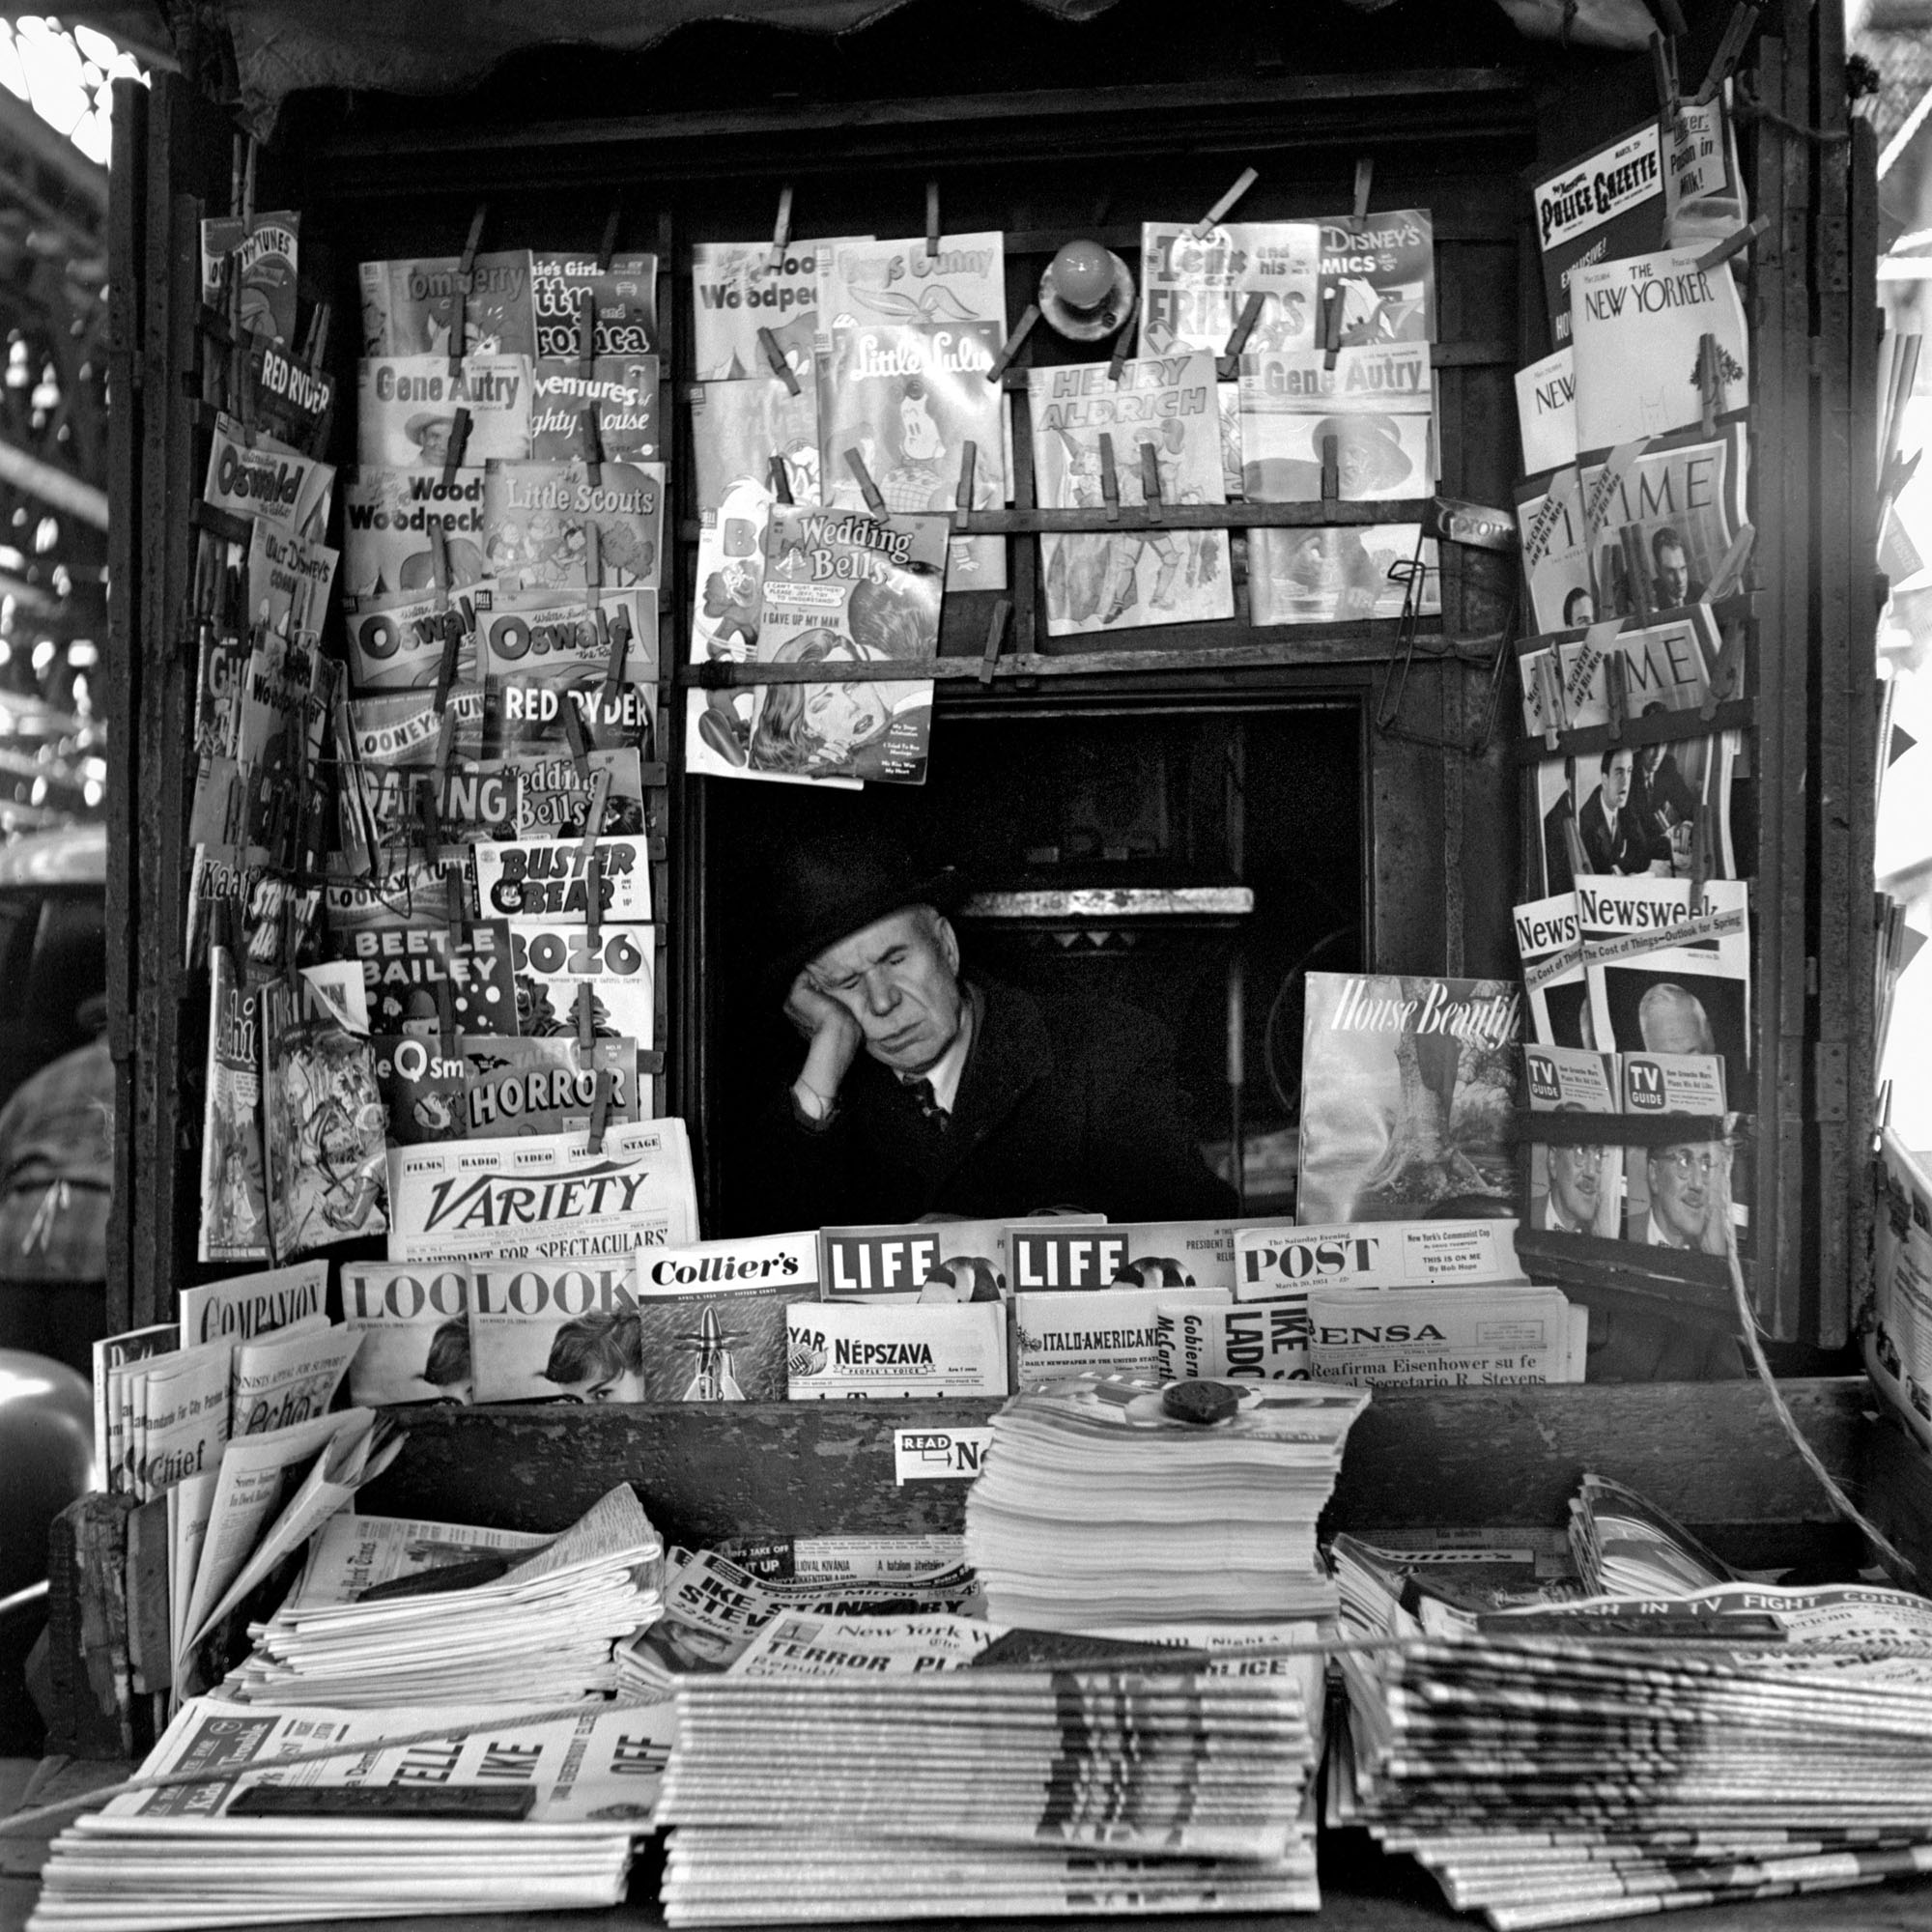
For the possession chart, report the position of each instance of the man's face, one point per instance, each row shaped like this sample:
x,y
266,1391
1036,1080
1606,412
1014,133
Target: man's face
x,y
1674,1026
1679,1190
1673,573
434,441
899,980
1617,782
1575,1180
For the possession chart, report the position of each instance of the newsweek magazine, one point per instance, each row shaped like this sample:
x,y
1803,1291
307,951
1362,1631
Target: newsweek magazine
x,y
1545,412
1106,1330
234,1219
266,481
735,292
388,515
1408,1091
623,304
1050,1253
909,397
1549,940
843,585
414,1318
547,1085
1636,326
551,800
537,516
551,962
841,1351
620,391
935,1261
322,1125
266,249
408,307
1682,493
1377,403
400,645
738,427
406,410
554,1331
1105,580
289,580
548,880
411,973
712,1316
1488,1337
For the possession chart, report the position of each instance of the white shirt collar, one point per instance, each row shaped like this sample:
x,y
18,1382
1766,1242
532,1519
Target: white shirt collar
x,y
945,1071
1660,1236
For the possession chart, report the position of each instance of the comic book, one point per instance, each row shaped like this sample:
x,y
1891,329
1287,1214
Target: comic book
x,y
549,1085
546,880
386,753
552,797
406,409
386,519
267,251
1380,268
408,307
265,480
736,291
1342,574
294,400
1107,580
422,1087
862,281
415,1323
1409,1093
322,1125
1193,293
289,582
621,391
838,586
560,1331
410,971
536,517
546,651
263,796
738,427
712,1317
234,1219
623,299
551,962
273,914
401,643
1595,538
1377,403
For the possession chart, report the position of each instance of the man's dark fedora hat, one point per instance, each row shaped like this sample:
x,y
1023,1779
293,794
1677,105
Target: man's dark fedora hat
x,y
843,881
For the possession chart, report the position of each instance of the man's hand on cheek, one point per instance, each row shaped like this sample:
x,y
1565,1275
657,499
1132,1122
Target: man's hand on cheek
x,y
831,1033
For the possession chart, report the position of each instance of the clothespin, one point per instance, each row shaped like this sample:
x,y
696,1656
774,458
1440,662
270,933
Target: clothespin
x,y
458,445
594,554
600,1108
1616,694
1331,327
291,944
1710,383
1151,476
1664,69
780,230
1331,469
1365,176
445,670
781,480
1737,31
1726,678
1700,853
1549,697
595,812
586,1032
996,631
1123,343
574,737
1110,481
608,248
617,641
1636,574
465,270
1229,364
1205,227
439,563
445,997
1730,571
1011,347
969,457
593,894
251,154
776,357
314,339
931,220
593,447
429,818
868,489
1734,244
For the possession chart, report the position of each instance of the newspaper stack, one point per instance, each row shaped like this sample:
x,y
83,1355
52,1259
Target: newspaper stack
x,y
914,1782
540,1633
378,1814
1101,1504
1626,1546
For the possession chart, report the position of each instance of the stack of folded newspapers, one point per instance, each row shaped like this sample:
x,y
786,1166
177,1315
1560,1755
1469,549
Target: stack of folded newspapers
x,y
1108,1502
495,1813
927,1779
371,1625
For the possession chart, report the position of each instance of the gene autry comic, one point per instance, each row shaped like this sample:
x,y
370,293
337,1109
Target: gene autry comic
x,y
407,407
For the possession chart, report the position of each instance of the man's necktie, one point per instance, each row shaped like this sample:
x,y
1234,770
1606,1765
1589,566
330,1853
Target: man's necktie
x,y
927,1103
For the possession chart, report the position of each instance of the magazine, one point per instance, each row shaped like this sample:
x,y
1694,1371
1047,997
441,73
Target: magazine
x,y
406,410
712,1317
1377,403
289,582
551,962
736,291
1671,1083
850,1350
1551,943
1105,580
388,516
1636,326
1342,574
1409,1090
387,749
1193,292
1272,1262
409,973
244,1306
541,650
234,1219
1897,1334
1103,1330
266,249
932,1261
422,1087
291,1375
840,585
738,427
414,1324
1546,410
1052,1254
623,304
547,880
1569,1080
1245,1341
557,1331
553,800
544,1196
266,481
322,1125
1445,1337
620,391
546,1086
1681,499
537,518
1577,1188
402,643
292,399
408,307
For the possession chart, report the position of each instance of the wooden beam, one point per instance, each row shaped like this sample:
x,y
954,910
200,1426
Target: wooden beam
x,y
58,489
